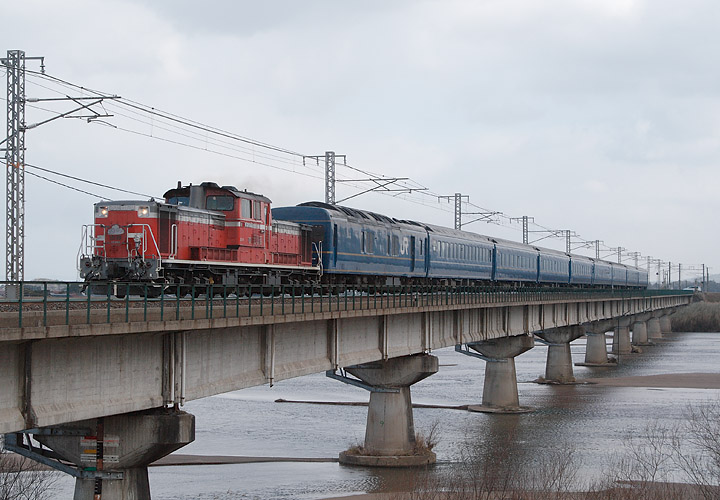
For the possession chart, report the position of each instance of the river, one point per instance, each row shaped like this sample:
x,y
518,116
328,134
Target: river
x,y
594,420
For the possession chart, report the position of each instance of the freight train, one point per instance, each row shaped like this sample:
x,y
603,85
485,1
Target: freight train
x,y
207,234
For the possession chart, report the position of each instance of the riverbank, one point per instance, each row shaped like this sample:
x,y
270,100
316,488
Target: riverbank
x,y
701,316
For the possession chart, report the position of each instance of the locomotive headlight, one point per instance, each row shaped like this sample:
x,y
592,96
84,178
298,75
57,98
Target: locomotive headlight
x,y
102,211
143,211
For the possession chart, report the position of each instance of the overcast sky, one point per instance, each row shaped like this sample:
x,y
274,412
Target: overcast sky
x,y
602,117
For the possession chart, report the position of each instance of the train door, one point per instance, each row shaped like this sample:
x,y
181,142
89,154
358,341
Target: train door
x,y
412,253
335,244
494,263
167,231
427,255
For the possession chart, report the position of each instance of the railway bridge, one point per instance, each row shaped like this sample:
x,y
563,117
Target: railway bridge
x,y
100,381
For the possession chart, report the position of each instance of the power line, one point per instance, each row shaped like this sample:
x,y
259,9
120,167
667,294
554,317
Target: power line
x,y
65,185
76,179
270,154
170,116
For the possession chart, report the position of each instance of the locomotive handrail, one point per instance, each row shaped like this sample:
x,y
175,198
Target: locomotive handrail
x,y
87,249
173,241
318,250
146,229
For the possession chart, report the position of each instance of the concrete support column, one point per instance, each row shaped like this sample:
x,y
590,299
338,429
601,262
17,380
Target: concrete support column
x,y
390,432
596,349
653,329
125,443
639,333
665,324
621,337
559,367
500,392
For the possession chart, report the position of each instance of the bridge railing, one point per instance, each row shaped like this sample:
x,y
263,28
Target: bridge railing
x,y
51,303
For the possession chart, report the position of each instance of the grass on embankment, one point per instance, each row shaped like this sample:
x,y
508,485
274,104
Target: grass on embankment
x,y
697,317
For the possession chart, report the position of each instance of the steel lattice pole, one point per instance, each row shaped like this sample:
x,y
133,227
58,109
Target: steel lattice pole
x,y
15,160
330,177
458,211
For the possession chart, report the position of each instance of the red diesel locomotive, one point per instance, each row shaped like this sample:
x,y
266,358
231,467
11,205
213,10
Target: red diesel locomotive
x,y
200,235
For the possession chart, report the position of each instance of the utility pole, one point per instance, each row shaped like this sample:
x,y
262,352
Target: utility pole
x,y
703,278
679,276
597,249
330,177
619,251
458,198
15,156
525,225
567,240
669,275
330,158
15,164
381,183
635,255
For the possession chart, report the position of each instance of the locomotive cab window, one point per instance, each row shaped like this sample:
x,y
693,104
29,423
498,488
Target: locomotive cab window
x,y
179,200
220,203
245,208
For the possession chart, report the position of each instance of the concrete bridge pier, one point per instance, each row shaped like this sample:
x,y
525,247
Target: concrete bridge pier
x,y
500,392
390,432
125,443
558,369
654,329
665,324
596,348
639,333
621,337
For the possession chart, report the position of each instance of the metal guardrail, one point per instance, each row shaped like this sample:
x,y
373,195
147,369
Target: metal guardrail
x,y
49,303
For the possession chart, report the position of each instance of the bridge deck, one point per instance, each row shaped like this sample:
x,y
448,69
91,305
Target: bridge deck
x,y
65,364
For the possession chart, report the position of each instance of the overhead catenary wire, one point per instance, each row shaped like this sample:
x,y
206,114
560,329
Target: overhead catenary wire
x,y
79,179
270,155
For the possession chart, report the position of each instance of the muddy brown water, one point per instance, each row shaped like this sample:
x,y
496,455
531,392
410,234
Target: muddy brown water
x,y
654,387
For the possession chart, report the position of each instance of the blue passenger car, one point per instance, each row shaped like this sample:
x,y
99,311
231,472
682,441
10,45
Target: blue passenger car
x,y
554,266
359,246
619,275
581,270
363,246
515,262
603,274
459,255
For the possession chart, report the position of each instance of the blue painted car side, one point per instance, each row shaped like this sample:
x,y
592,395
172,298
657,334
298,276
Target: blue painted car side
x,y
581,270
619,274
459,254
554,267
603,274
361,243
515,262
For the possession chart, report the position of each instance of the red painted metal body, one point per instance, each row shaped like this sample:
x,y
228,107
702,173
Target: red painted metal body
x,y
202,233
